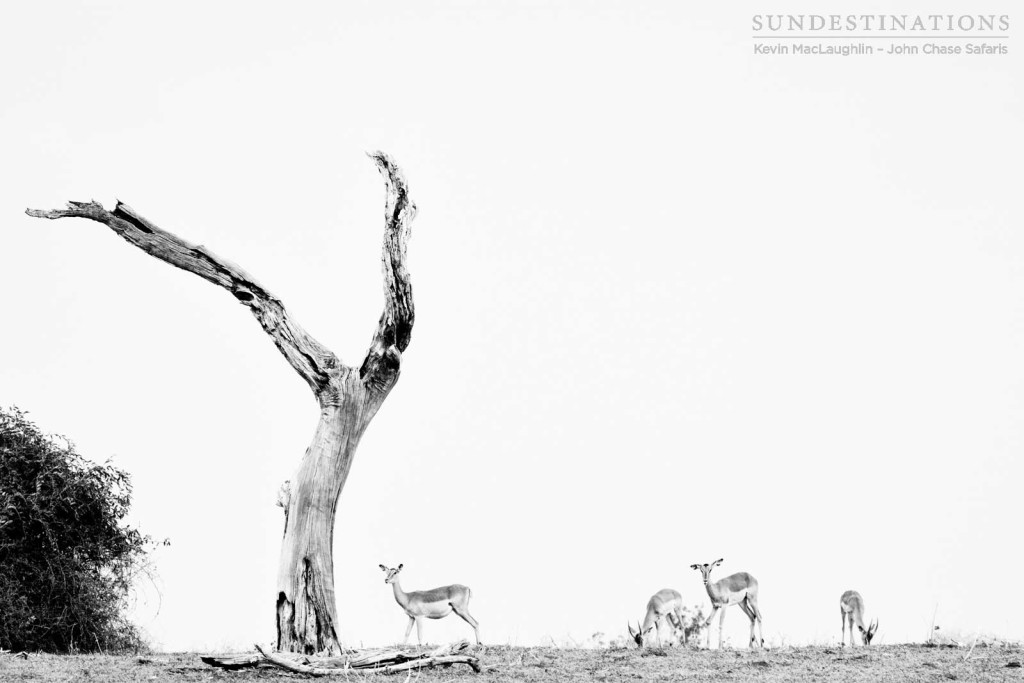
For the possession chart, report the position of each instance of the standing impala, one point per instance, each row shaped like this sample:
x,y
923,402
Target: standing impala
x,y
737,589
851,610
665,604
432,604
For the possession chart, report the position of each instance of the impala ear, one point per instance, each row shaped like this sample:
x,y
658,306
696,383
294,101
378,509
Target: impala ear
x,y
694,566
399,567
382,567
717,562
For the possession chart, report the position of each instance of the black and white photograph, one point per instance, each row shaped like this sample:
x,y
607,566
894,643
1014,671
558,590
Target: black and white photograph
x,y
551,341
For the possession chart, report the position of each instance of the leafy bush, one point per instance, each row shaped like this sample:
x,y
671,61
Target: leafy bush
x,y
67,563
693,622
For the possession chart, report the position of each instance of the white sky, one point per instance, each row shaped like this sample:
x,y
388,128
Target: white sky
x,y
675,302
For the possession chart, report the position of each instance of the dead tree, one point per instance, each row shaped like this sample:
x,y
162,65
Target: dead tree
x,y
349,397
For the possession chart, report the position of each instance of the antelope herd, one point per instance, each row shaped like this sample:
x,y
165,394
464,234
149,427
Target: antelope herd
x,y
665,605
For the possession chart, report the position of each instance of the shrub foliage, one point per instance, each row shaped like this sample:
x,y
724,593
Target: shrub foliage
x,y
67,560
693,622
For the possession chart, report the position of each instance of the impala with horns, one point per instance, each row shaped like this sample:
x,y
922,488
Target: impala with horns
x,y
736,589
665,604
851,609
432,604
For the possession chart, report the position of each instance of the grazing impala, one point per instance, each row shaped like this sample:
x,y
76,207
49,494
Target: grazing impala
x,y
665,604
432,604
737,589
851,609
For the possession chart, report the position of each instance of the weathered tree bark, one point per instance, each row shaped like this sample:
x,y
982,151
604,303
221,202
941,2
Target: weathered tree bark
x,y
349,397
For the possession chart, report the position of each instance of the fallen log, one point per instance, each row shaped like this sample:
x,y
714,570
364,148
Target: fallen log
x,y
382,661
288,665
232,662
248,660
431,662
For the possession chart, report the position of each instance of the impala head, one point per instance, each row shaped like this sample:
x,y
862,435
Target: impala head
x,y
869,633
705,569
638,635
392,574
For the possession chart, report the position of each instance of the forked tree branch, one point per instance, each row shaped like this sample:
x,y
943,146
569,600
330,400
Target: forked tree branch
x,y
314,362
309,358
394,330
395,327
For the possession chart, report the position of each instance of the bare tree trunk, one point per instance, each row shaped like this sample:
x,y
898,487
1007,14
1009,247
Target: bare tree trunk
x,y
349,397
305,597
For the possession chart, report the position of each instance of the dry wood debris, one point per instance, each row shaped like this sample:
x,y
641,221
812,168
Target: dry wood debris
x,y
382,661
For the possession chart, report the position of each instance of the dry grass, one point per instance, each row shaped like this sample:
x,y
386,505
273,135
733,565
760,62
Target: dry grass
x,y
551,665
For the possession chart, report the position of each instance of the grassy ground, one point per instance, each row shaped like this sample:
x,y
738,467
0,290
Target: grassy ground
x,y
551,665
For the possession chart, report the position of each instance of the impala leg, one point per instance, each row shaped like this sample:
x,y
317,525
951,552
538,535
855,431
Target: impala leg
x,y
750,615
752,603
468,618
675,618
721,628
707,624
419,630
842,638
408,629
